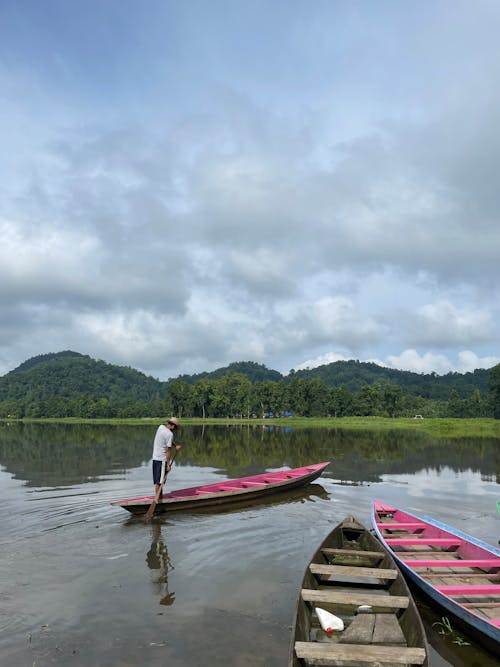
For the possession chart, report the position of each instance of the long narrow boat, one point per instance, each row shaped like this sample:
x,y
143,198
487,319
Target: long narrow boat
x,y
458,572
352,576
228,491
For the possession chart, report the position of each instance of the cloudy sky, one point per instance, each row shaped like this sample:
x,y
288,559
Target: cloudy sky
x,y
187,184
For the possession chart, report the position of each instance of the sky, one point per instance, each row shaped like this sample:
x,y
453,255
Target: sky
x,y
188,184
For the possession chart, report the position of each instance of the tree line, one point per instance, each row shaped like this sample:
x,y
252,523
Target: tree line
x,y
236,396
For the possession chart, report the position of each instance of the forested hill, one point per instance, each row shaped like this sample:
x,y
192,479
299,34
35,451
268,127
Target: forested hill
x,y
354,374
39,359
71,375
253,371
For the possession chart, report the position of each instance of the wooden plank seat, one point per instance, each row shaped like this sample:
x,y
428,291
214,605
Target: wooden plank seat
x,y
427,541
352,555
402,525
224,488
471,590
378,629
422,552
250,485
353,571
347,655
484,564
355,600
352,552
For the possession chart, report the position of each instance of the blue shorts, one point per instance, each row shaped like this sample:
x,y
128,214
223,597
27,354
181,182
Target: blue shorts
x,y
157,471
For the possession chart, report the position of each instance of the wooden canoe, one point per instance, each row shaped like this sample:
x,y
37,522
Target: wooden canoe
x,y
458,572
228,491
352,576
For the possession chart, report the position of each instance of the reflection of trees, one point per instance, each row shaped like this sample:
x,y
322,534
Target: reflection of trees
x,y
54,454
359,455
158,560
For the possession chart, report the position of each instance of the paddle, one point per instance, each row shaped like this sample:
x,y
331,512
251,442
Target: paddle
x,y
152,507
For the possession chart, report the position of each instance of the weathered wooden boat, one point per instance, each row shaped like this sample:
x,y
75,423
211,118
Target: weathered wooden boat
x,y
228,491
352,576
458,572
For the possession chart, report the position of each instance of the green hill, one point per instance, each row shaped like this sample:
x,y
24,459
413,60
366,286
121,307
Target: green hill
x,y
253,371
72,375
354,374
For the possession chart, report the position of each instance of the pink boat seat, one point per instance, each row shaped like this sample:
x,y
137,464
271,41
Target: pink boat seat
x,y
181,493
229,488
472,590
239,487
485,564
250,484
402,526
425,541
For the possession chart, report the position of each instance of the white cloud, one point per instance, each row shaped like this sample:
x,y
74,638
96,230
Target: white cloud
x,y
428,362
271,205
336,318
468,361
443,324
321,360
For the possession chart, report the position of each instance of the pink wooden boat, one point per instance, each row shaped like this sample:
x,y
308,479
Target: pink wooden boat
x,y
458,572
228,491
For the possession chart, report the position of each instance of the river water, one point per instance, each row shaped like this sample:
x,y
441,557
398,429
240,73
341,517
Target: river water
x,y
84,584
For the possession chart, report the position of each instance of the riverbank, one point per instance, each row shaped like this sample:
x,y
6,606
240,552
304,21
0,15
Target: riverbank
x,y
449,428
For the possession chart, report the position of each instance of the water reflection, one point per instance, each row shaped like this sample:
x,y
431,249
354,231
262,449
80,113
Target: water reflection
x,y
83,580
159,562
51,455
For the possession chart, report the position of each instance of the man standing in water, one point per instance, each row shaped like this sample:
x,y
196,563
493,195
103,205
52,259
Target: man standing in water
x,y
162,446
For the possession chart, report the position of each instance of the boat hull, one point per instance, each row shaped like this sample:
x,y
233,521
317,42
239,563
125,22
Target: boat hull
x,y
464,559
227,492
352,576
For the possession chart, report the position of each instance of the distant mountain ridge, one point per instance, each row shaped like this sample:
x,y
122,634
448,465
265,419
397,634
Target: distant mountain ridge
x,y
354,374
71,374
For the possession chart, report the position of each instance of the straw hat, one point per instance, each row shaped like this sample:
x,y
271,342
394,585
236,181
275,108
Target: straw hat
x,y
174,421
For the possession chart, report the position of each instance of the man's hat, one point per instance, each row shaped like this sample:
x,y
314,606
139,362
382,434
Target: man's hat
x,y
174,421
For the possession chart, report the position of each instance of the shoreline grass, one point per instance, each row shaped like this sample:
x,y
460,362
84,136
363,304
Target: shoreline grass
x,y
437,427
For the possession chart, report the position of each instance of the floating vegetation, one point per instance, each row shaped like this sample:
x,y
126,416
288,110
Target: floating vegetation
x,y
443,627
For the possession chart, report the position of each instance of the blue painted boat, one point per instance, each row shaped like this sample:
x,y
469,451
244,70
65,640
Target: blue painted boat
x,y
455,570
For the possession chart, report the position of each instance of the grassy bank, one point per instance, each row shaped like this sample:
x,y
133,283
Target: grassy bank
x,y
450,428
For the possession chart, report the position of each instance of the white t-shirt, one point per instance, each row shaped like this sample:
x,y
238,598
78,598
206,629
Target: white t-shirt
x,y
162,441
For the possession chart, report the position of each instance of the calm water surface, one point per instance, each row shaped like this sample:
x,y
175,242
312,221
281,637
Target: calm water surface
x,y
83,584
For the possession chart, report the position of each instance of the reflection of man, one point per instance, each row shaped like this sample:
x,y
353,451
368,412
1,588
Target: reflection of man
x,y
157,559
162,446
